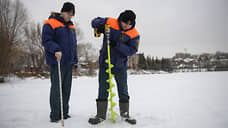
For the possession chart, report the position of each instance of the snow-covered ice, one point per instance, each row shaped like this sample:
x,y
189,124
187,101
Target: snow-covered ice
x,y
178,100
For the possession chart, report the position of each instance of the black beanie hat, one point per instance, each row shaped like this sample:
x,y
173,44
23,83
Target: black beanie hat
x,y
68,7
127,15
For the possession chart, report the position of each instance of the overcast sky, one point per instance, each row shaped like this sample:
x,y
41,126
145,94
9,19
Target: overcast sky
x,y
165,26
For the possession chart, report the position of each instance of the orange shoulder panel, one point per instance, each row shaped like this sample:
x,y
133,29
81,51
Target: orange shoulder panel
x,y
113,23
71,26
54,23
132,33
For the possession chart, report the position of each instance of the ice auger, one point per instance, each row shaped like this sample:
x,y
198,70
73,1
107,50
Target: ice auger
x,y
109,80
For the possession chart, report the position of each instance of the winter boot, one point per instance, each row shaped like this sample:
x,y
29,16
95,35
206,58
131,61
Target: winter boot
x,y
124,112
67,116
101,112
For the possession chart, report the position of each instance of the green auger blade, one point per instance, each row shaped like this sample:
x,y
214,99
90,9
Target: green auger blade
x,y
113,118
109,90
113,113
112,94
109,80
113,104
108,71
112,76
111,66
112,85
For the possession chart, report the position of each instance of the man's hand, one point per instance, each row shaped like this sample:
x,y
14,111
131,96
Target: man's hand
x,y
58,55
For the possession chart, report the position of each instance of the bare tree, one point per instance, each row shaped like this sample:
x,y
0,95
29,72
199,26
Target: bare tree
x,y
79,32
13,17
4,49
87,54
33,46
86,51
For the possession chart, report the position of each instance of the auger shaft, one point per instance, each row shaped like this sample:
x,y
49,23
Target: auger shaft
x,y
111,85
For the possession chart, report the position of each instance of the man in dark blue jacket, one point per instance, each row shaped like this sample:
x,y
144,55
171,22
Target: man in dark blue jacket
x,y
124,40
59,41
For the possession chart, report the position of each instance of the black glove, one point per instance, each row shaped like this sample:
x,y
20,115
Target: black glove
x,y
101,29
112,43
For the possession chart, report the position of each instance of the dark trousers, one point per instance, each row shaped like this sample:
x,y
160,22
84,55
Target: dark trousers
x,y
121,80
66,75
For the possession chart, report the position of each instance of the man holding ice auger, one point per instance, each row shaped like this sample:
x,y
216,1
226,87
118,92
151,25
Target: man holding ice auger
x,y
123,42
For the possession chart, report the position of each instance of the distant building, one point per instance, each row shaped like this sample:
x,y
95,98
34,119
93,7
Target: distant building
x,y
182,55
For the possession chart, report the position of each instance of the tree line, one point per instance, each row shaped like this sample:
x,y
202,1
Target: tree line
x,y
151,63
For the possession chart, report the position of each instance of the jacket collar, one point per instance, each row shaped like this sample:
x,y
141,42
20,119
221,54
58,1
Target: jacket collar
x,y
57,16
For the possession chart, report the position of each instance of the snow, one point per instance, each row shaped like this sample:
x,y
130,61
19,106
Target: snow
x,y
145,72
178,100
178,59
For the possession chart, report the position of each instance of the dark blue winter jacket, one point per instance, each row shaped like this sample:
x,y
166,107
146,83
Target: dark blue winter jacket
x,y
58,35
126,43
